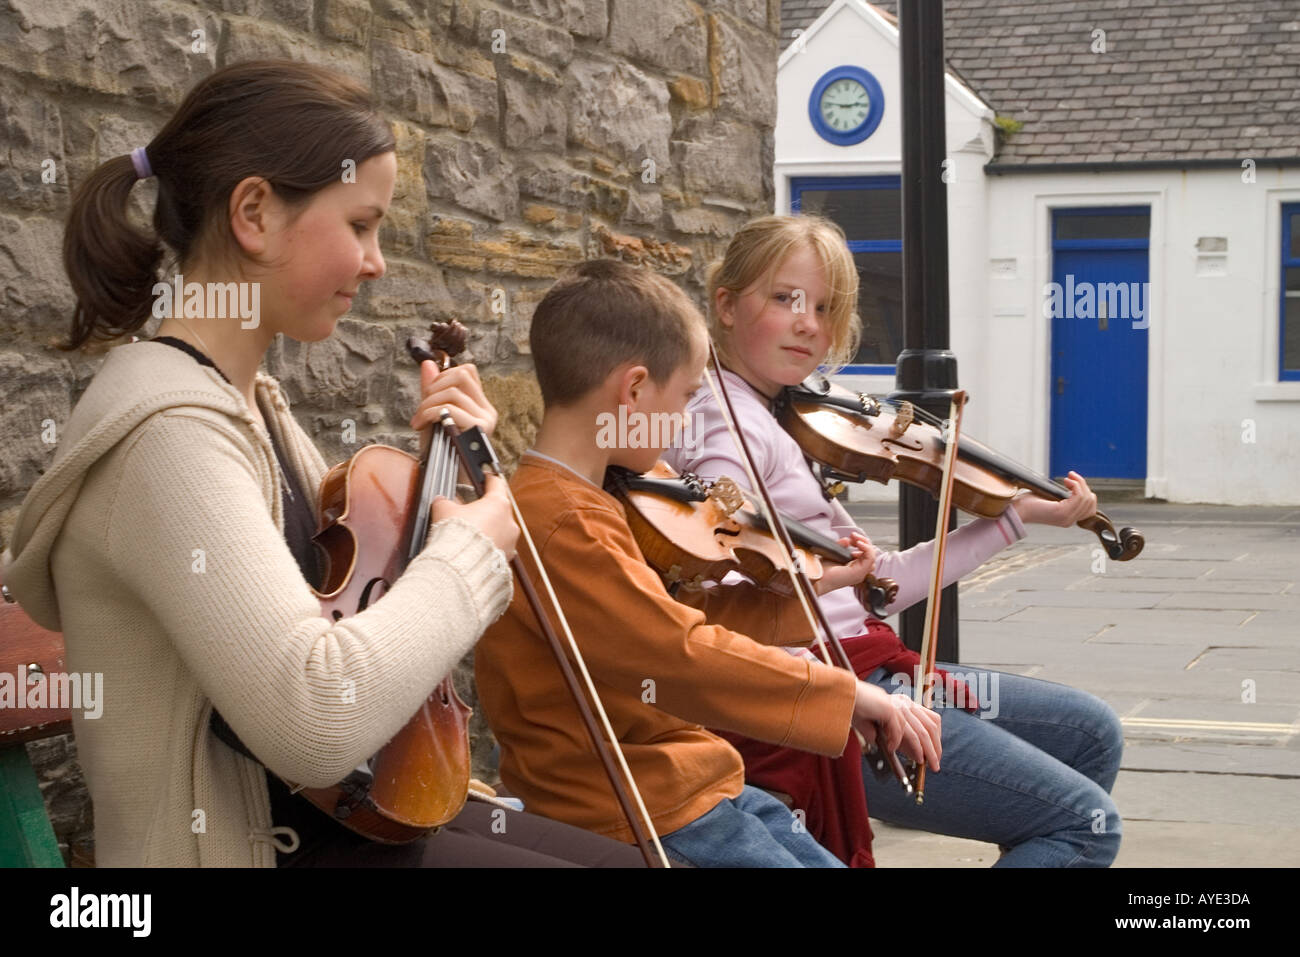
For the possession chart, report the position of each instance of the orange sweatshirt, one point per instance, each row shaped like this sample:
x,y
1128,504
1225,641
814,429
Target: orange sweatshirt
x,y
661,670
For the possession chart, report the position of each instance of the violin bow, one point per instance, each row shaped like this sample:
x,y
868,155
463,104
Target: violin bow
x,y
475,453
924,689
803,588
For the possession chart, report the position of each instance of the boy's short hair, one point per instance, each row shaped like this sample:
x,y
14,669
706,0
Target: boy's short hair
x,y
603,313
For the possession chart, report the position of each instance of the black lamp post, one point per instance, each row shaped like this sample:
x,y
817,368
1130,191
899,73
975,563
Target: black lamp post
x,y
926,368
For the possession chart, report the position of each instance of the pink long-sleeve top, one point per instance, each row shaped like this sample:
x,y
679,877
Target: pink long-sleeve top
x,y
707,449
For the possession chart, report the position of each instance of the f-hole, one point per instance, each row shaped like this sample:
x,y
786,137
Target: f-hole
x,y
366,596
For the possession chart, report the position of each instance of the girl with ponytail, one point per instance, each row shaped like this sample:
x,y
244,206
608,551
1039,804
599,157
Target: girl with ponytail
x,y
170,539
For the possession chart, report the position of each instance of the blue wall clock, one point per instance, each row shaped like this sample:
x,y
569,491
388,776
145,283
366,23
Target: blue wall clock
x,y
846,105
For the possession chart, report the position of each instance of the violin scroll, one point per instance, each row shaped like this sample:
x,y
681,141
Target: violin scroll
x,y
877,594
1120,546
446,341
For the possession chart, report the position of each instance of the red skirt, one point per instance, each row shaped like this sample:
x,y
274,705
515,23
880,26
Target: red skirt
x,y
829,791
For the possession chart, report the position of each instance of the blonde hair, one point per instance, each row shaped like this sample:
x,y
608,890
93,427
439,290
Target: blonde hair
x,y
756,251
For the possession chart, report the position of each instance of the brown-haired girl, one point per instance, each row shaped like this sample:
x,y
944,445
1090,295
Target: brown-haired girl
x,y
1031,765
170,539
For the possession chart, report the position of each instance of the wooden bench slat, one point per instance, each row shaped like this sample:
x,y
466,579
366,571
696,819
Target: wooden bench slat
x,y
22,643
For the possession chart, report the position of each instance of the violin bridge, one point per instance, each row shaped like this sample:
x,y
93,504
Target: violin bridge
x,y
902,418
726,495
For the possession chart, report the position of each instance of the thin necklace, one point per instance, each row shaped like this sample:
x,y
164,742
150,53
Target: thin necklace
x,y
180,323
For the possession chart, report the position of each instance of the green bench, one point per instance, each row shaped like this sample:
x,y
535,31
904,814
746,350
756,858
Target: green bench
x,y
27,652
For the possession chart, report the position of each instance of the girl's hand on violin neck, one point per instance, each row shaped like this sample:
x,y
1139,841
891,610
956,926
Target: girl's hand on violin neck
x,y
459,391
1081,504
490,514
842,576
908,727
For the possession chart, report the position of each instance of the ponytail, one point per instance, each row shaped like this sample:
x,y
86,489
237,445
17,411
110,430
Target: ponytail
x,y
111,263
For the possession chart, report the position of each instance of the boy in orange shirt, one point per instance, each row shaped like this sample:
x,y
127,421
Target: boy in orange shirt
x,y
608,340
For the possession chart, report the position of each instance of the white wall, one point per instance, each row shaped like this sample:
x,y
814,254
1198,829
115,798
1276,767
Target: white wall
x,y
1213,335
1214,326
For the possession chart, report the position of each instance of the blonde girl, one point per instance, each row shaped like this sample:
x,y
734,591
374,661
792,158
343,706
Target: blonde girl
x,y
1031,765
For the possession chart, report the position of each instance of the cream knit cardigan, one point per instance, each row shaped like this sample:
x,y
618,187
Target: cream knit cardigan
x,y
154,542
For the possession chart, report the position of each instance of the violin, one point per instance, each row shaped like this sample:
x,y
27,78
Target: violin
x,y
856,437
375,511
691,531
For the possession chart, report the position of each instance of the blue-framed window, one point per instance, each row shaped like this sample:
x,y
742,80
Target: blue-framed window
x,y
870,211
1288,358
1102,227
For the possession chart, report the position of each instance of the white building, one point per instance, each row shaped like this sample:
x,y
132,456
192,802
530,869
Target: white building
x,y
1119,264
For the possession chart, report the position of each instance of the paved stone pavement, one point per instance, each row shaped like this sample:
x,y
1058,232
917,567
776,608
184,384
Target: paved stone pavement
x,y
1195,644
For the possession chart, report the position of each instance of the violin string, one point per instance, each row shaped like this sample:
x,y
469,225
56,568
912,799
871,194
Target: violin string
x,y
586,677
753,484
444,456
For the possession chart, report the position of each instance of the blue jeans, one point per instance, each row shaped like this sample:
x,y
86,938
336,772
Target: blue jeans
x,y
1035,779
752,830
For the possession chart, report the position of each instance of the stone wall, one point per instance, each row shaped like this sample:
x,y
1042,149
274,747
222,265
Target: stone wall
x,y
531,134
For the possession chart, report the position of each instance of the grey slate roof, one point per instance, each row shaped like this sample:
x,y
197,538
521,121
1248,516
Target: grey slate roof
x,y
1180,79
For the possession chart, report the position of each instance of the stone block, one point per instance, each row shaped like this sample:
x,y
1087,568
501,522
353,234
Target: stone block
x,y
668,34
645,207
586,18
130,50
495,32
710,222
291,13
616,109
661,255
722,156
691,93
37,395
410,292
742,69
471,175
350,369
551,179
244,39
31,127
346,20
429,93
751,11
518,399
402,228
452,243
38,301
535,116
415,13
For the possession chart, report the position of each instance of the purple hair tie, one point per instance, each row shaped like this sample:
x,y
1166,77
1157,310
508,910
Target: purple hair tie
x,y
140,160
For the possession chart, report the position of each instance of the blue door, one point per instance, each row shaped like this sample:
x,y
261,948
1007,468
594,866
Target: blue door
x,y
1099,304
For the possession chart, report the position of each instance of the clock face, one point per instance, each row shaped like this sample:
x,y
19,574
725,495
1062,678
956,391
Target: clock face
x,y
845,105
